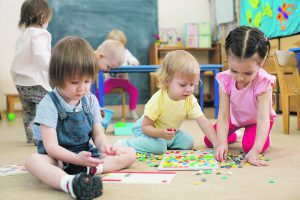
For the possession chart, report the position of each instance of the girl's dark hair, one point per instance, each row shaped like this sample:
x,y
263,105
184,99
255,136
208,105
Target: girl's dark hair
x,y
35,12
244,42
71,55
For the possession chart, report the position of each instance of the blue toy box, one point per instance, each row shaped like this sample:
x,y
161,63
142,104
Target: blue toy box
x,y
107,117
122,128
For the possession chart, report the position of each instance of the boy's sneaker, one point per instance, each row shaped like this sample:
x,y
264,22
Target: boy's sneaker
x,y
87,187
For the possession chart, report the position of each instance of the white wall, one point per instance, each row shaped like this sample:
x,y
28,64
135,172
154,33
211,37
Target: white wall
x,y
171,13
9,17
175,13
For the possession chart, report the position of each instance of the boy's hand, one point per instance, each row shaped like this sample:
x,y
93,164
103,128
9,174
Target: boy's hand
x,y
169,133
252,157
86,159
221,151
109,150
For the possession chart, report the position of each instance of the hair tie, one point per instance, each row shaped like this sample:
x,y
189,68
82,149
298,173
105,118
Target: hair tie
x,y
266,39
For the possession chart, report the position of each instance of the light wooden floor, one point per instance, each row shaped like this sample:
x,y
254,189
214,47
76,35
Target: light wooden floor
x,y
245,183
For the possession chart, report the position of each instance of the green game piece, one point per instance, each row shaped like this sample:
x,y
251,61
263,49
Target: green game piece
x,y
224,177
271,181
11,117
268,159
207,172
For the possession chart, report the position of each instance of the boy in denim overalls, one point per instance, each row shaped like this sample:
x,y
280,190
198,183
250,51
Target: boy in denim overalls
x,y
68,118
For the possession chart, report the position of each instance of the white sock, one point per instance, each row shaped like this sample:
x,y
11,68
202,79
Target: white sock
x,y
99,169
66,184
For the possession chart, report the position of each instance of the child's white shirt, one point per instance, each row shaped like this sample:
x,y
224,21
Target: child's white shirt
x,y
30,66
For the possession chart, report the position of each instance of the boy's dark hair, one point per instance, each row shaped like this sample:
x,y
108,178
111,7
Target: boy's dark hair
x,y
35,12
71,55
244,42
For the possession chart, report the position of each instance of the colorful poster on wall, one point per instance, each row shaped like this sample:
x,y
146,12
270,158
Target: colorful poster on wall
x,y
276,18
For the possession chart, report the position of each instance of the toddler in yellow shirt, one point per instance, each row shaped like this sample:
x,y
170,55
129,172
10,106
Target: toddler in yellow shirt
x,y
158,129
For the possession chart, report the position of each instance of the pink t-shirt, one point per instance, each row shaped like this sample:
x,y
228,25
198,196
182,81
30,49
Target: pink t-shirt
x,y
243,103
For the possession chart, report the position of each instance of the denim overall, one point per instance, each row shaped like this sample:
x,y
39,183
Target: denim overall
x,y
74,131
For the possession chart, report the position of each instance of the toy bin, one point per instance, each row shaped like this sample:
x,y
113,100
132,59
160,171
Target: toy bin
x,y
107,117
122,128
204,29
205,41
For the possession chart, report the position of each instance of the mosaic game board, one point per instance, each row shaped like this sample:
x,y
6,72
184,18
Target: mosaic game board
x,y
188,160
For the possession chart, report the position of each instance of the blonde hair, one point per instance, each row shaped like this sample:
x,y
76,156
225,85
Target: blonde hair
x,y
71,55
179,62
117,35
113,50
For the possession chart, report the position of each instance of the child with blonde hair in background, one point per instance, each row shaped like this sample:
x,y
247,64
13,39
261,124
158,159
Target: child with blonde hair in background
x,y
245,95
110,54
158,129
30,65
68,118
121,80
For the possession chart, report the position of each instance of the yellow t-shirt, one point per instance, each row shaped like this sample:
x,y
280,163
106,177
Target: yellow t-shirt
x,y
167,113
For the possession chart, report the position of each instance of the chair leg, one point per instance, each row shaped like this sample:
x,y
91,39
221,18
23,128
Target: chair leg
x,y
285,114
298,113
123,106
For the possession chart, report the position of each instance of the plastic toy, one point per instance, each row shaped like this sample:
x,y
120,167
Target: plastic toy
x,y
122,128
11,117
106,116
188,160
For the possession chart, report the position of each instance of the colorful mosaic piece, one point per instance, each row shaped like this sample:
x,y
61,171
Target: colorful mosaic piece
x,y
188,160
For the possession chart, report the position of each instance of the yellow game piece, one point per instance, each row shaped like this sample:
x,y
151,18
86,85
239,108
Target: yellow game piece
x,y
197,183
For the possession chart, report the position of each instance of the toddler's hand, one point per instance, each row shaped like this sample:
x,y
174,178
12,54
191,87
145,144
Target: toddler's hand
x,y
109,150
86,159
169,133
135,63
221,151
252,157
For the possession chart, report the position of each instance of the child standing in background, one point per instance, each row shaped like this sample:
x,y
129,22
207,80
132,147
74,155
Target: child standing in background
x,y
121,80
69,116
30,66
245,95
158,130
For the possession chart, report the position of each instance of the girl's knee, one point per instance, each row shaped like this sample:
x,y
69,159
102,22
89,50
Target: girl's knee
x,y
247,146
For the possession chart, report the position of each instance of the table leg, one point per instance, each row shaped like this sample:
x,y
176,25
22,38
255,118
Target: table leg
x,y
101,88
216,91
201,92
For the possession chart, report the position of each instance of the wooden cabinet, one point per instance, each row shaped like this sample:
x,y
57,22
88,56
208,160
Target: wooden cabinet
x,y
157,53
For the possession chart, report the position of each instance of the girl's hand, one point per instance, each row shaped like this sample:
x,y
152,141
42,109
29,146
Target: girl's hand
x,y
86,159
221,151
252,157
109,150
169,133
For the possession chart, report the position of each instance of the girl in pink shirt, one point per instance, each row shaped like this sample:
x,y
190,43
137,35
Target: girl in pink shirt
x,y
245,95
